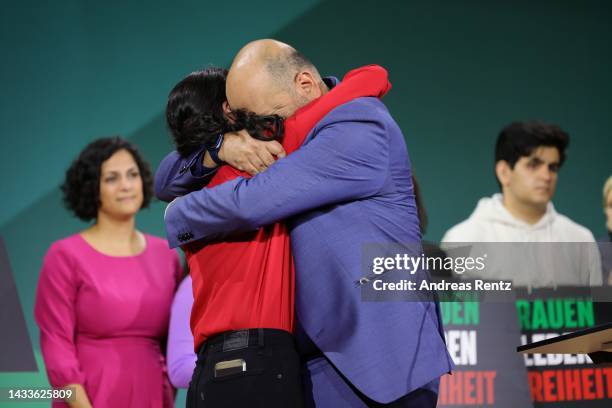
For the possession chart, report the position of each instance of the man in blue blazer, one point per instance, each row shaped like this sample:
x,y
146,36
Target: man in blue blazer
x,y
349,185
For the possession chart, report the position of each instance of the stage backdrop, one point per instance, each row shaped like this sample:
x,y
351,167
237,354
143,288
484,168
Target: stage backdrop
x,y
76,70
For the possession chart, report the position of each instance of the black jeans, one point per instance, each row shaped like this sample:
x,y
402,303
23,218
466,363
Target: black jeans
x,y
247,368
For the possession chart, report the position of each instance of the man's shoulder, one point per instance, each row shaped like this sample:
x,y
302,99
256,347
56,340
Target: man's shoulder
x,y
363,109
571,231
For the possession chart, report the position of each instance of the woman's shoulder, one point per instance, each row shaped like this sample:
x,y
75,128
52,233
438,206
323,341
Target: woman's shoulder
x,y
159,245
167,258
67,245
156,241
64,252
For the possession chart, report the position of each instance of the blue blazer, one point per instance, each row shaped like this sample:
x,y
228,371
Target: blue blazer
x,y
347,186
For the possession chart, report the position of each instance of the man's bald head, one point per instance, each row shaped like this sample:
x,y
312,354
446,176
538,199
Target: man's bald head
x,y
271,77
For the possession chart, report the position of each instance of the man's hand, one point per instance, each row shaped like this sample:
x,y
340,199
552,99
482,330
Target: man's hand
x,y
245,153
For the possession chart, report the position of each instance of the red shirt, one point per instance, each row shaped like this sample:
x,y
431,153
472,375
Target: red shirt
x,y
249,281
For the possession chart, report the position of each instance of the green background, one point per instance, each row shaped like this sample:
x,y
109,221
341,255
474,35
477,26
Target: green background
x,y
73,71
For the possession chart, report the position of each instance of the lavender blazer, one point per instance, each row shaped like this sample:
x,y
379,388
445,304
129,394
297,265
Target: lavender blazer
x,y
349,184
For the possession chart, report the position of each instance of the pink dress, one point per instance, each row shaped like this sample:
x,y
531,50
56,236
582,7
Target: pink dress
x,y
102,321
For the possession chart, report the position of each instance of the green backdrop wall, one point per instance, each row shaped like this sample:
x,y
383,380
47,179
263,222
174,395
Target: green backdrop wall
x,y
76,70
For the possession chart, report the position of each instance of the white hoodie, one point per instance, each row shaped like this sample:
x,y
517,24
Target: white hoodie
x,y
566,262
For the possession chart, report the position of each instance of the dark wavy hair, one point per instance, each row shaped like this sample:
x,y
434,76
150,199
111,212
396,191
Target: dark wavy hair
x,y
194,112
81,186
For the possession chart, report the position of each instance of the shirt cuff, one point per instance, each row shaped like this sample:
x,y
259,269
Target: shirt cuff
x,y
197,168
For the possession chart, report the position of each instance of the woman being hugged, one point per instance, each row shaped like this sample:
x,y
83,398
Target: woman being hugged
x,y
104,294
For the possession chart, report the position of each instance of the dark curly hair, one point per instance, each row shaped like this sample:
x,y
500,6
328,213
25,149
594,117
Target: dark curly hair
x,y
81,186
194,113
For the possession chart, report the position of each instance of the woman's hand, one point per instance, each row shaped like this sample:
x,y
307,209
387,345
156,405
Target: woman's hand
x,y
81,400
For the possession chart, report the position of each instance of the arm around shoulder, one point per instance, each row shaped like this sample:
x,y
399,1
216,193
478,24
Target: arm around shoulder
x,y
346,160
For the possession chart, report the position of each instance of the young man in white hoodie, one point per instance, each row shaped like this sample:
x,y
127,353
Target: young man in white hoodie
x,y
528,156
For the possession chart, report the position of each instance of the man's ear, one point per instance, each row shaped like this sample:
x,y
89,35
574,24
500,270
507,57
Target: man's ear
x,y
227,111
503,172
307,85
226,108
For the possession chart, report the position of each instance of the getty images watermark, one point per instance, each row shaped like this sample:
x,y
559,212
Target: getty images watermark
x,y
382,277
478,271
412,264
411,272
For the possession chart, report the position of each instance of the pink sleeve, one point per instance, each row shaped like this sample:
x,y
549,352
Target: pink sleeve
x,y
55,315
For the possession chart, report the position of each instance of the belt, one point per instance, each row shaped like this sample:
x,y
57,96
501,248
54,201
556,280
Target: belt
x,y
239,339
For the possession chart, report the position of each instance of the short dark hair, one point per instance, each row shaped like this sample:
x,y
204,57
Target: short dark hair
x,y
520,139
194,112
81,186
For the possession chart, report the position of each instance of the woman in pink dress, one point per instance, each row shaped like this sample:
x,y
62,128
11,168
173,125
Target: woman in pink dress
x,y
104,294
